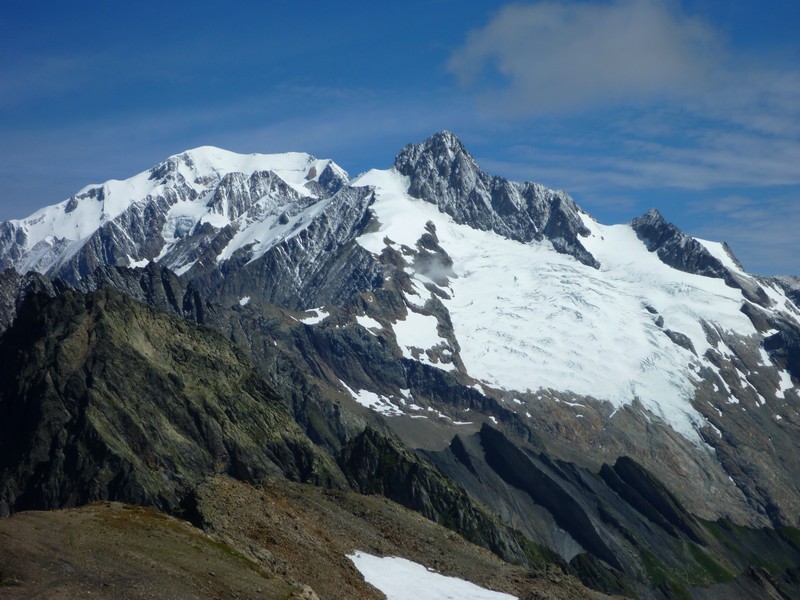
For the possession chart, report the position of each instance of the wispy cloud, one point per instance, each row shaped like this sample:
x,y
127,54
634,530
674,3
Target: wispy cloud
x,y
34,76
612,162
645,96
762,230
553,56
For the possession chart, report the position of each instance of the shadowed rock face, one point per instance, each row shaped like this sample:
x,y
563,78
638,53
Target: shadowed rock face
x,y
674,247
14,288
103,398
620,528
784,346
377,464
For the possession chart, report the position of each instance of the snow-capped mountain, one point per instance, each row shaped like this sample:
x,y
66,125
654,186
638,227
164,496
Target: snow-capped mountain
x,y
509,289
166,214
538,296
529,320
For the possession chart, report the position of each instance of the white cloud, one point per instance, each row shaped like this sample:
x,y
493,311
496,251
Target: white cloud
x,y
558,56
643,96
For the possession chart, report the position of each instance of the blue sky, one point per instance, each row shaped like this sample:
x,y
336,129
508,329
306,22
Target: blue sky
x,y
692,107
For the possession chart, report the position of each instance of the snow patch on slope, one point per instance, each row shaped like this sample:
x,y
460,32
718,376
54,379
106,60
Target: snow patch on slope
x,y
318,315
419,332
373,401
368,323
402,579
784,385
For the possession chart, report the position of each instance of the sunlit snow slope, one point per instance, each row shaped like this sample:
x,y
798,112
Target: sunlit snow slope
x,y
528,318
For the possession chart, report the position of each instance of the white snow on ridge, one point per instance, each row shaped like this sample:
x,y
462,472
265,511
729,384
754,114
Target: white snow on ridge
x,y
718,251
269,231
528,318
87,214
402,579
66,225
292,167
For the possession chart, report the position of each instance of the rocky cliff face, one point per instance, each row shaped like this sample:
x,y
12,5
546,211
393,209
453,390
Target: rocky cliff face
x,y
441,171
103,398
617,528
14,288
320,264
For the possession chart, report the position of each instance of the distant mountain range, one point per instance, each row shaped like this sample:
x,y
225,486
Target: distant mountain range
x,y
621,400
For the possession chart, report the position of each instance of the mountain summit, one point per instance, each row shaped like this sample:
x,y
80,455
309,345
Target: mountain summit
x,y
441,171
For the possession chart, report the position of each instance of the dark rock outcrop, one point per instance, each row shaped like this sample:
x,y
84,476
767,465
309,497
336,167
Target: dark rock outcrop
x,y
685,253
379,464
103,398
442,172
14,288
621,530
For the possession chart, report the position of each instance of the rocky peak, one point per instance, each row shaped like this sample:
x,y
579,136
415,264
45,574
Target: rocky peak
x,y
652,218
685,253
443,151
15,287
332,179
167,171
443,172
674,247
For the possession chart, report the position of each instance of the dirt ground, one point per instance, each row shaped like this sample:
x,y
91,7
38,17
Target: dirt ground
x,y
280,540
304,533
112,551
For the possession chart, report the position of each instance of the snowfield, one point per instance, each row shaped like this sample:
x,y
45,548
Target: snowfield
x,y
402,579
528,318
